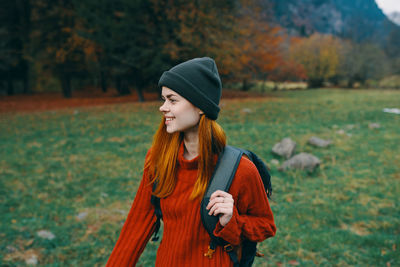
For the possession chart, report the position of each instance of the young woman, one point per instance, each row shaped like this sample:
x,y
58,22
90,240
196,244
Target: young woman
x,y
181,160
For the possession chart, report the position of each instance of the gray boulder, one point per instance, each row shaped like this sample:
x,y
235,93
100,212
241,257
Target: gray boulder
x,y
318,142
45,234
302,161
32,260
81,216
374,125
285,148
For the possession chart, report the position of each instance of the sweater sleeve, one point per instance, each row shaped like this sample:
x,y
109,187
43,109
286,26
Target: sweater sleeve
x,y
137,229
252,217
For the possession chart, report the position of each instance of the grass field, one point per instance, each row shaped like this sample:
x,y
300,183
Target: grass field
x,y
87,161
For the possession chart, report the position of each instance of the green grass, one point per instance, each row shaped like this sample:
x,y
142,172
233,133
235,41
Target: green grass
x,y
56,164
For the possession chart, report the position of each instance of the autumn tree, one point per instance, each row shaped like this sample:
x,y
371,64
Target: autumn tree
x,y
319,56
131,36
244,45
14,35
258,48
55,42
392,49
201,28
360,62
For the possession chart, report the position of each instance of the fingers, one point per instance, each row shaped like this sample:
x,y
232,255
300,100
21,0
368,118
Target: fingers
x,y
221,208
220,193
220,203
220,197
214,201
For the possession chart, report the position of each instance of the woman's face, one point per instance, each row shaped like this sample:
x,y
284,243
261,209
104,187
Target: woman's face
x,y
180,115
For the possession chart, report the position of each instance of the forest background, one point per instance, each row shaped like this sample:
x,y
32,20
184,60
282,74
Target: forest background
x,y
67,46
69,170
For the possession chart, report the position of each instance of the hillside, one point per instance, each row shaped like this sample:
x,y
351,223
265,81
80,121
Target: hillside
x,y
395,17
359,20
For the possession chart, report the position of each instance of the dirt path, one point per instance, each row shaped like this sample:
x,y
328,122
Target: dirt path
x,y
90,97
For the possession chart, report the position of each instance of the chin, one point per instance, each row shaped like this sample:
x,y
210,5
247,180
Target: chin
x,y
170,131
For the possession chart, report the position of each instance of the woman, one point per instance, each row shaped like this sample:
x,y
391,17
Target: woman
x,y
181,161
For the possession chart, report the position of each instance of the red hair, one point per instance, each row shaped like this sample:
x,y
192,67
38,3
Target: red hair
x,y
164,157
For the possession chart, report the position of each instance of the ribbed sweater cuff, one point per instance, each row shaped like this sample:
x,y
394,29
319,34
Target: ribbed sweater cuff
x,y
231,232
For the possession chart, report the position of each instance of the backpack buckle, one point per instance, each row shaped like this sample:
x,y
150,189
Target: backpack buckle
x,y
228,248
209,252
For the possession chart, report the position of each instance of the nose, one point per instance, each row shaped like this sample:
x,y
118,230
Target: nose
x,y
164,107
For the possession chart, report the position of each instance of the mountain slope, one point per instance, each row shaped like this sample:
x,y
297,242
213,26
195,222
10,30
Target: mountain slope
x,y
395,17
358,20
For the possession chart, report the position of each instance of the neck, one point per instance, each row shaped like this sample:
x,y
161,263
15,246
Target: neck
x,y
191,141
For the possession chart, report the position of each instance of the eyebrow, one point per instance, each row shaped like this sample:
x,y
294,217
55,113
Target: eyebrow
x,y
168,96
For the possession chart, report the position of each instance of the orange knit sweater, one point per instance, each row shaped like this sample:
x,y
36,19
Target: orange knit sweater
x,y
185,240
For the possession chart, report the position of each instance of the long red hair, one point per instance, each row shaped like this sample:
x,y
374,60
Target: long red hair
x,y
162,163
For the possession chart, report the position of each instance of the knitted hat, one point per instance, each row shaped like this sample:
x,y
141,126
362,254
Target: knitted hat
x,y
198,81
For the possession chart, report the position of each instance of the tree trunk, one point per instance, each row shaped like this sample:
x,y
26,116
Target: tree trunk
x,y
103,81
26,80
10,87
315,83
140,94
245,85
118,84
121,87
350,83
66,85
264,83
276,87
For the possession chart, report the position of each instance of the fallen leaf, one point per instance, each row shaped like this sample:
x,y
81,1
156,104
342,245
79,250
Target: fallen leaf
x,y
29,242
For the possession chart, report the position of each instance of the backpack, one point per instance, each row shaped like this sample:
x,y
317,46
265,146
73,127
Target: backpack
x,y
222,178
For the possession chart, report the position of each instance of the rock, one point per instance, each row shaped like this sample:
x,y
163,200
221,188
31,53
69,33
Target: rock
x,y
32,260
275,162
82,215
374,125
351,126
302,161
285,148
341,131
315,141
392,110
45,234
10,249
123,212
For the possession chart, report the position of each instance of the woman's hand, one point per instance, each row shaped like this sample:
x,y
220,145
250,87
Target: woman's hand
x,y
221,203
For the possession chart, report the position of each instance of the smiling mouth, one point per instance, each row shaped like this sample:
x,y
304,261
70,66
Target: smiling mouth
x,y
168,119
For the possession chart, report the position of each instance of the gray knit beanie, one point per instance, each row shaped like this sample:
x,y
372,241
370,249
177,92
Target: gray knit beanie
x,y
198,81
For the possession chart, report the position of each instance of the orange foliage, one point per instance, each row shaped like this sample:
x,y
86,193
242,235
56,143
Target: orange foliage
x,y
318,54
259,47
242,43
256,49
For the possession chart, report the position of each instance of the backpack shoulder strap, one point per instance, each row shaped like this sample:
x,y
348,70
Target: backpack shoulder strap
x,y
157,210
221,179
